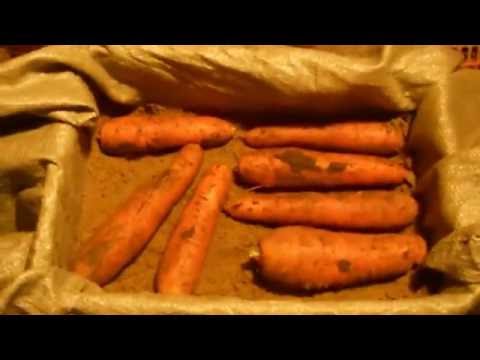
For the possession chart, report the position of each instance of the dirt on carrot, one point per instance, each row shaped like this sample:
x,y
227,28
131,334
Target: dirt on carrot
x,y
227,271
297,160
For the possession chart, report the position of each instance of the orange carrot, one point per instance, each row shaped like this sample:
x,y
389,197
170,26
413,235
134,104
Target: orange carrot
x,y
297,168
305,258
182,263
383,138
143,133
366,210
124,234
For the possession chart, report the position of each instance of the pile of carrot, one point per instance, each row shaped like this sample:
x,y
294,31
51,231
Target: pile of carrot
x,y
344,167
339,222
126,232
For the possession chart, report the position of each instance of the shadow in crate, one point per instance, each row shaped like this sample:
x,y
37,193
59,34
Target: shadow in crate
x,y
21,191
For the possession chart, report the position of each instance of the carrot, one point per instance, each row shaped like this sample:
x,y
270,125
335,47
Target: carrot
x,y
366,210
305,258
127,231
297,168
383,138
143,132
182,262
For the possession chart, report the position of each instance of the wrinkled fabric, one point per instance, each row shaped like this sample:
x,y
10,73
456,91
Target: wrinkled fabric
x,y
57,81
40,173
446,142
61,84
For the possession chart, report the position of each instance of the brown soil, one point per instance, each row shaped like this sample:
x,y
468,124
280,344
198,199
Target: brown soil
x,y
227,272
